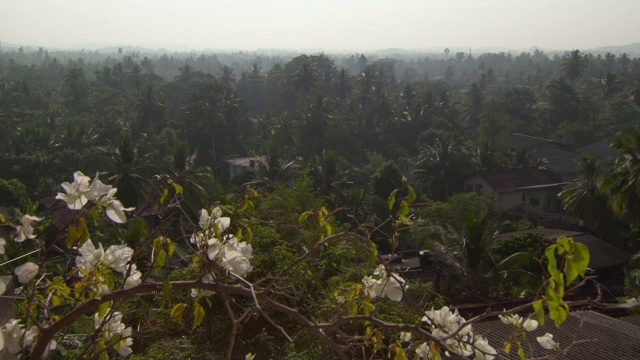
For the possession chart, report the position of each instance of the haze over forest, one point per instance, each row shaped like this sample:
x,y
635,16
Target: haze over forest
x,y
331,26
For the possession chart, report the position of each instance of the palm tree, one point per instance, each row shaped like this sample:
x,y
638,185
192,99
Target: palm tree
x,y
443,166
465,249
194,181
624,61
126,175
342,84
366,84
149,110
624,182
525,157
583,198
635,93
611,85
305,79
610,61
226,76
574,64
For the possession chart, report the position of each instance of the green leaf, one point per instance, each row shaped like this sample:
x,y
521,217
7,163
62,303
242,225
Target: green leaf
x,y
404,209
507,347
249,236
412,195
172,247
400,355
558,312
579,261
521,352
303,217
160,259
552,266
392,199
353,309
539,311
102,310
198,314
373,256
167,288
367,308
177,311
179,189
165,193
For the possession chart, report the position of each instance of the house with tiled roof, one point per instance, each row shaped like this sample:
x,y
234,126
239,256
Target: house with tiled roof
x,y
561,158
509,186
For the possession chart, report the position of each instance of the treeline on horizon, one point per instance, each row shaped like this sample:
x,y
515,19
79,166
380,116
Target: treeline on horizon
x,y
128,113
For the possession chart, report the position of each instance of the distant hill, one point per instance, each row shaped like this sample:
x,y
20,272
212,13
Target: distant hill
x,y
631,49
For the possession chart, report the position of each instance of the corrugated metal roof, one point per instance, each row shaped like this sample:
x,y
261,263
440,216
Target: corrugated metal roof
x,y
584,335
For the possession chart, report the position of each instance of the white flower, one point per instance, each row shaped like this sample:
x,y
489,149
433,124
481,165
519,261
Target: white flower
x,y
205,219
222,223
206,222
235,262
423,350
389,285
513,320
207,279
97,189
12,334
249,356
25,231
117,257
103,290
123,347
3,286
26,272
29,337
3,243
546,341
113,326
90,256
405,336
482,349
530,325
1,339
134,278
115,209
75,196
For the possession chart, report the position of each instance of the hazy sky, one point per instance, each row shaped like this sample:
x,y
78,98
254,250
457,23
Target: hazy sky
x,y
326,24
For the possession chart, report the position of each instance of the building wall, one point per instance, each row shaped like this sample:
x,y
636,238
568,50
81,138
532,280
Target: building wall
x,y
506,201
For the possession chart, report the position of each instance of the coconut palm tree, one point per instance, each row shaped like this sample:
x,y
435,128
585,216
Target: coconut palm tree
x,y
584,198
465,250
305,79
574,65
623,183
226,76
342,84
611,85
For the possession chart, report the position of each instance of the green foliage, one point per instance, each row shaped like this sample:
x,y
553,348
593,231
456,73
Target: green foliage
x,y
12,193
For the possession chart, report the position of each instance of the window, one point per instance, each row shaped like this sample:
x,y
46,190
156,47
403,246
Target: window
x,y
468,188
534,201
478,188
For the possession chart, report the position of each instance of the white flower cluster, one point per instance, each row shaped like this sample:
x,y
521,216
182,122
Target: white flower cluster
x,y
82,190
116,257
27,271
515,320
383,284
445,322
547,342
111,324
15,338
225,250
